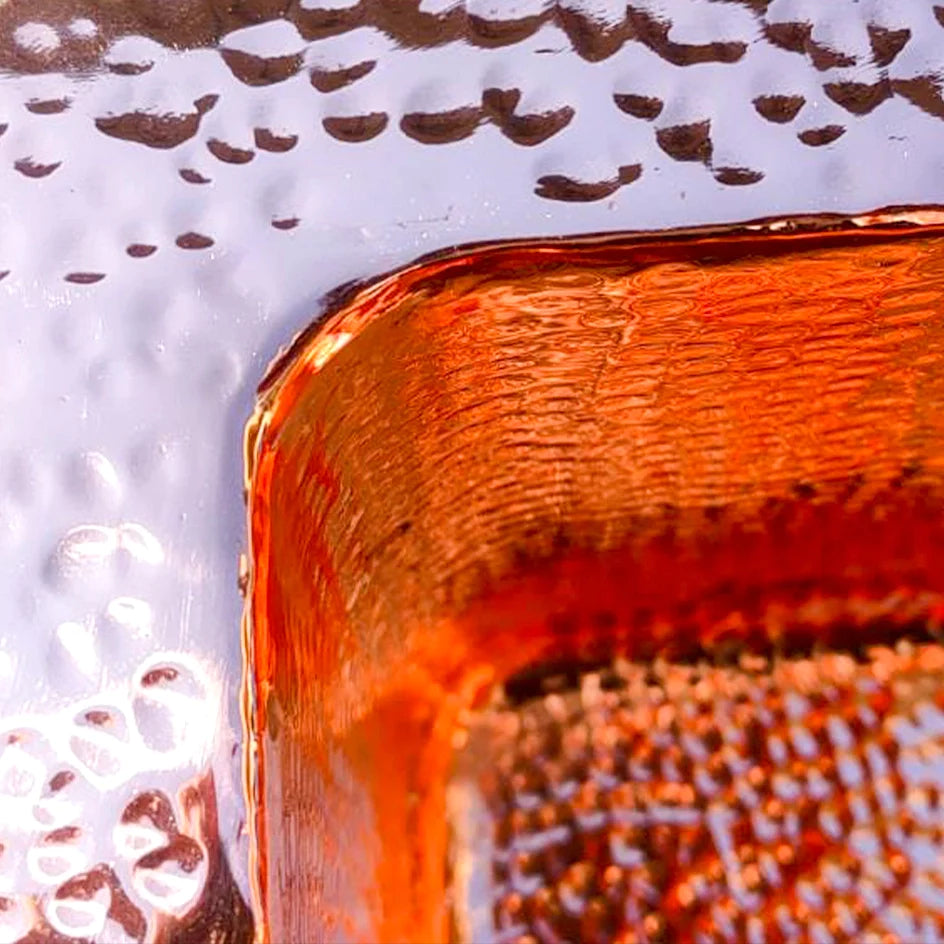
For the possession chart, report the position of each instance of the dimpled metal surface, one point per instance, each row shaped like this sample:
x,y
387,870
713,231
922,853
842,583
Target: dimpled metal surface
x,y
506,461
180,183
792,800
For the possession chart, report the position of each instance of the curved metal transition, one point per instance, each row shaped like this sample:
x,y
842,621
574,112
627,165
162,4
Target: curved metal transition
x,y
182,181
660,447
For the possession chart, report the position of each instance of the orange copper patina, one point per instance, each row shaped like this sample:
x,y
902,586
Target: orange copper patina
x,y
650,447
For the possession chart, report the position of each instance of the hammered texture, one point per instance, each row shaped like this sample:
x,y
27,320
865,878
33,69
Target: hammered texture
x,y
505,460
792,800
181,182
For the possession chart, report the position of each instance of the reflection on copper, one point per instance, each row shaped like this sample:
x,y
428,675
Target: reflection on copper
x,y
681,802
708,445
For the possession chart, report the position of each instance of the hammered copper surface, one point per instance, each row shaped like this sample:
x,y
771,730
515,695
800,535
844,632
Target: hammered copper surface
x,y
785,800
656,447
181,183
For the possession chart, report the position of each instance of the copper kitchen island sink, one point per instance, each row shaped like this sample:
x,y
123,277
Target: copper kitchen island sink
x,y
594,593
589,587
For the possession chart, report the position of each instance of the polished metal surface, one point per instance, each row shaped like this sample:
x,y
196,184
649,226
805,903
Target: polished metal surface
x,y
668,449
180,184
